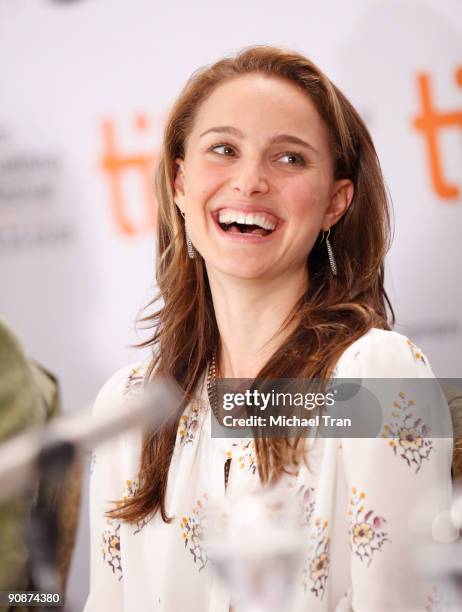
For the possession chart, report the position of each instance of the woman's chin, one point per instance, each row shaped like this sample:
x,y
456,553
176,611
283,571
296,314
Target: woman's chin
x,y
242,269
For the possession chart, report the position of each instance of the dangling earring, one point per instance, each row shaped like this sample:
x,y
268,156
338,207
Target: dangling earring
x,y
330,253
189,244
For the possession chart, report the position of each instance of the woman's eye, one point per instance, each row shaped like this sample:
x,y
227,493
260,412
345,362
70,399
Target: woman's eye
x,y
293,159
223,149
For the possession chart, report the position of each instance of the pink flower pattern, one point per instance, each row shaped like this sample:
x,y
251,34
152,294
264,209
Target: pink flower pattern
x,y
316,565
407,433
189,423
366,531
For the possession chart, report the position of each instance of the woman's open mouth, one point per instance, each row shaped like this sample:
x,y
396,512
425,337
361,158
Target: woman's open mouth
x,y
255,224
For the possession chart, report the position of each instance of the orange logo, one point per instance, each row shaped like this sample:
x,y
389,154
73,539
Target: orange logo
x,y
116,166
430,122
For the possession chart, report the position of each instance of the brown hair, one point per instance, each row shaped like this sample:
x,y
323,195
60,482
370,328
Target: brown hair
x,y
333,313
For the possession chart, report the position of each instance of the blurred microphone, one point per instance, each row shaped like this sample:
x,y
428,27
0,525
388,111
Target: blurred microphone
x,y
23,457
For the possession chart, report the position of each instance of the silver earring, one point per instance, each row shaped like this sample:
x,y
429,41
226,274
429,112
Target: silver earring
x,y
330,253
189,244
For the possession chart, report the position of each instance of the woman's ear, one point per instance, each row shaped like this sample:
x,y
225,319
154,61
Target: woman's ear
x,y
342,196
178,184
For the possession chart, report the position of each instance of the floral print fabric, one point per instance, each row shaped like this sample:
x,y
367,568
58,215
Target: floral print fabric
x,y
357,498
192,531
367,532
409,434
316,565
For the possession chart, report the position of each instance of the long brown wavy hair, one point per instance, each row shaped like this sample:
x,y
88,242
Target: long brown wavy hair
x,y
334,311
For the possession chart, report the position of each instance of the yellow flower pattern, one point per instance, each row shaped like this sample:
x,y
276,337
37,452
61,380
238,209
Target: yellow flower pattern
x,y
192,531
189,424
110,538
366,530
408,434
134,382
246,456
416,352
110,548
316,565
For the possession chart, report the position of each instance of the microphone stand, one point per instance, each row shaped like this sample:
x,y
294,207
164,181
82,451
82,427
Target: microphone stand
x,y
43,530
46,454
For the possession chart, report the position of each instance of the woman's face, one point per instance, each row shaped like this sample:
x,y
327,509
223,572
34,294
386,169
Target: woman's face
x,y
256,182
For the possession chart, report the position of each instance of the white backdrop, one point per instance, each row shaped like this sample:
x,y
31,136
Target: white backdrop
x,y
85,87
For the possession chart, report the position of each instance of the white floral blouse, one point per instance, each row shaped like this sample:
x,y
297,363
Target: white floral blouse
x,y
359,495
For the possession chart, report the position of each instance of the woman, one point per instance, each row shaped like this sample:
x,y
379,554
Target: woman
x,y
273,227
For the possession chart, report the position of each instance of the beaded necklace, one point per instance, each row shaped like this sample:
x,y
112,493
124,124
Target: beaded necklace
x,y
212,395
211,384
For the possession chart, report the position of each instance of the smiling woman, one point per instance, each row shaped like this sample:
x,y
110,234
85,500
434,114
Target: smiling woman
x,y
258,146
273,228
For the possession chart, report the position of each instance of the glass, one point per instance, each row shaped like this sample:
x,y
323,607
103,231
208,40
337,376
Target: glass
x,y
254,544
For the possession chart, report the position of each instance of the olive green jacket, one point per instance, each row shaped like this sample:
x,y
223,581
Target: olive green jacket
x,y
28,396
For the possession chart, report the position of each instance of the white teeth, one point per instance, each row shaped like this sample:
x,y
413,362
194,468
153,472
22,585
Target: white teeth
x,y
228,215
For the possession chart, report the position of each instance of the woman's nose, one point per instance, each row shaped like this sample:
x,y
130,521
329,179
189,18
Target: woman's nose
x,y
250,178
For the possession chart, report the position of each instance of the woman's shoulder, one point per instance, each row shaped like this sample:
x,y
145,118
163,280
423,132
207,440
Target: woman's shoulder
x,y
123,383
383,353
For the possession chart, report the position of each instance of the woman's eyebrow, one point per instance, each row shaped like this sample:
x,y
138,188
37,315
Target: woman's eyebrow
x,y
226,129
293,140
280,138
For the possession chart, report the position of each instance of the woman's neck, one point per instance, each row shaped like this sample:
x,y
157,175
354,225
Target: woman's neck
x,y
249,315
